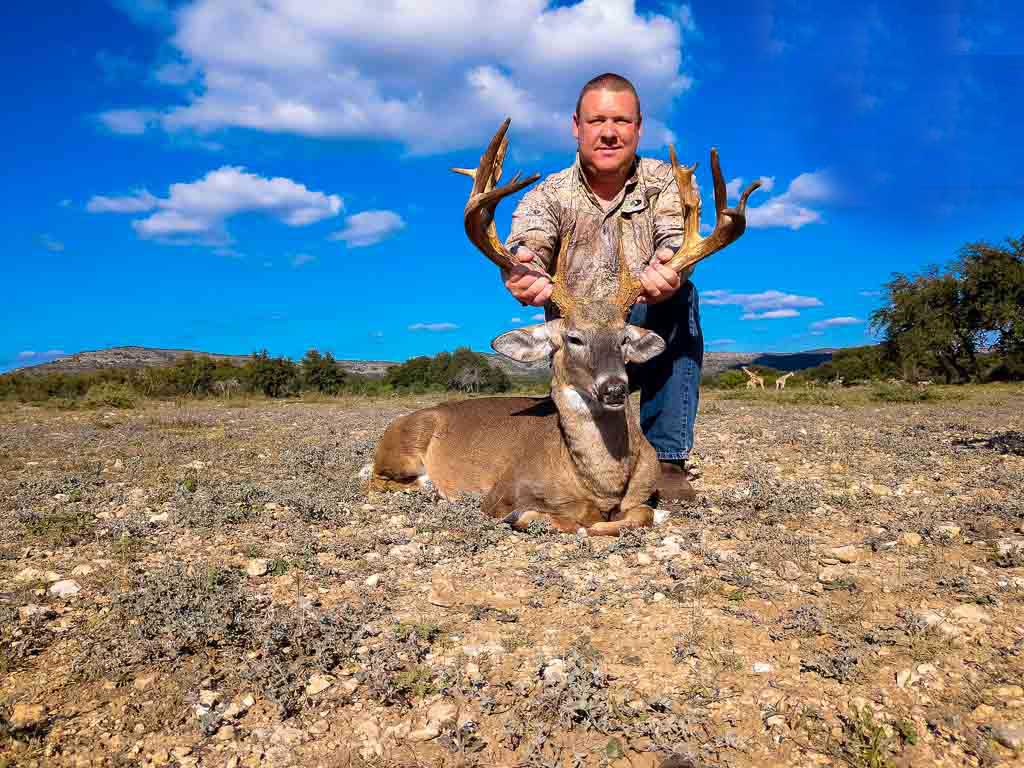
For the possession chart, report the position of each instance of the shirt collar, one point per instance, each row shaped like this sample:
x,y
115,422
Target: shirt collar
x,y
633,180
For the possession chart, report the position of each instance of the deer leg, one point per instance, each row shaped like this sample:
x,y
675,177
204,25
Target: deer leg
x,y
520,520
638,517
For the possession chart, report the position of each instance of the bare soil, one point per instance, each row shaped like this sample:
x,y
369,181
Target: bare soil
x,y
207,584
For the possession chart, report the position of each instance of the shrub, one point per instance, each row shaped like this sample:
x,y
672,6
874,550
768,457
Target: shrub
x,y
109,395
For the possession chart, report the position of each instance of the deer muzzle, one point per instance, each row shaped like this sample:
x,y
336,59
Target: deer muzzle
x,y
612,392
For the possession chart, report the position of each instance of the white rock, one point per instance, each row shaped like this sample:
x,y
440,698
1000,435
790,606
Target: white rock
x,y
846,554
425,734
643,558
258,566
405,552
830,574
761,668
319,684
163,517
65,588
82,570
789,571
910,539
948,530
373,581
554,672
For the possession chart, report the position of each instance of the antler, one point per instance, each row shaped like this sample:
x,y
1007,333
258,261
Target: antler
x,y
484,199
629,288
729,224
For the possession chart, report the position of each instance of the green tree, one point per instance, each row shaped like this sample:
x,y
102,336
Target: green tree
x,y
322,373
273,376
194,374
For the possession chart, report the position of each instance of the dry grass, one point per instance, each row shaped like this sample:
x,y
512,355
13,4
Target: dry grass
x,y
552,649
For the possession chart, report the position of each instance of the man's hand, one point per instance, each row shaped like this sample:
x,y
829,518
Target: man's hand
x,y
527,284
660,281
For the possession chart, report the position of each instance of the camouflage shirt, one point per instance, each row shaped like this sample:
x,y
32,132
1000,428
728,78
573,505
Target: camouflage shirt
x,y
646,214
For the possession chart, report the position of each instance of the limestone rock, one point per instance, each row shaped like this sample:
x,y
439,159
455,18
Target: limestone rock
x,y
258,566
1010,735
845,554
910,539
789,571
28,716
972,614
318,684
65,588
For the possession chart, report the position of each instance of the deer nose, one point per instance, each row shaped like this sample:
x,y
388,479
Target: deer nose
x,y
612,391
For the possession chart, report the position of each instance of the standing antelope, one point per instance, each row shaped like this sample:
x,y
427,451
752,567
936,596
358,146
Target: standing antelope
x,y
577,459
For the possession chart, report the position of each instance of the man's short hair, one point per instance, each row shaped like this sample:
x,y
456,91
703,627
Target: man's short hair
x,y
609,81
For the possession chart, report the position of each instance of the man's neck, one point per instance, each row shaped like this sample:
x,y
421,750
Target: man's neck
x,y
606,188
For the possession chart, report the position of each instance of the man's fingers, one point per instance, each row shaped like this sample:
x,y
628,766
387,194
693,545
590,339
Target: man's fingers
x,y
669,275
531,294
543,297
524,255
650,288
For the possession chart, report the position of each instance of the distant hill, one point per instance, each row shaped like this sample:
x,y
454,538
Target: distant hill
x,y
148,357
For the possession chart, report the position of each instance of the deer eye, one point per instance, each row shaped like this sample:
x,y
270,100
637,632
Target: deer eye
x,y
576,340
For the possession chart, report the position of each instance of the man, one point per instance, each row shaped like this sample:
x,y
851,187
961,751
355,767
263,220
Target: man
x,y
608,195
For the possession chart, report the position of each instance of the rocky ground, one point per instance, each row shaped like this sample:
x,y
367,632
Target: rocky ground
x,y
207,584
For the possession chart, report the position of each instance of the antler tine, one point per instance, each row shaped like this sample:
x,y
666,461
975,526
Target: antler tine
x,y
561,297
730,223
629,288
485,196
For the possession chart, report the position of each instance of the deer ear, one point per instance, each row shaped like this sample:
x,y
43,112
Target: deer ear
x,y
643,344
525,345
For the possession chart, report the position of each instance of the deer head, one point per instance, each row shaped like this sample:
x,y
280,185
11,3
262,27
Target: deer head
x,y
591,343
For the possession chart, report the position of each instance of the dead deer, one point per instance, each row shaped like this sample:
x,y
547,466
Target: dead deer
x,y
578,458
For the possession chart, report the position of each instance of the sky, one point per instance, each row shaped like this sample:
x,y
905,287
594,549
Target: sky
x,y
228,176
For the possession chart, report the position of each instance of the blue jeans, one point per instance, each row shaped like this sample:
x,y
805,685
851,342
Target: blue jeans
x,y
669,384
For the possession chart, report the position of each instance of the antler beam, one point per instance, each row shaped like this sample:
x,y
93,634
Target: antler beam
x,y
729,224
485,196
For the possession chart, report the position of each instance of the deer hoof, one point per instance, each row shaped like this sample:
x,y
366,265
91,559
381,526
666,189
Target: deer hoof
x,y
512,517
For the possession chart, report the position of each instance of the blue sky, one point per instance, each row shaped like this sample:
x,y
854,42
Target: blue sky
x,y
225,175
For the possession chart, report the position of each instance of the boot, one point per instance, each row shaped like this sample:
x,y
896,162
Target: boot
x,y
674,483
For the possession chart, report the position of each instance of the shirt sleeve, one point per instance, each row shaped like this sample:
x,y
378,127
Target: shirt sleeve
x,y
668,220
535,225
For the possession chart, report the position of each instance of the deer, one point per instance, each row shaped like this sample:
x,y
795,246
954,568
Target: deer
x,y
577,459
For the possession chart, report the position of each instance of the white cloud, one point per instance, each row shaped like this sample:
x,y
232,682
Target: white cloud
x,y
51,243
767,305
47,355
140,200
538,316
791,208
822,325
369,228
131,122
772,314
516,320
321,69
871,294
734,187
722,343
435,327
302,258
196,211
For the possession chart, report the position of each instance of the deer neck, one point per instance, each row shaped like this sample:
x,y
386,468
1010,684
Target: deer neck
x,y
598,441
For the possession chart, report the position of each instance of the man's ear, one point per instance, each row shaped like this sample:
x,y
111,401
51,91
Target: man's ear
x,y
643,344
525,344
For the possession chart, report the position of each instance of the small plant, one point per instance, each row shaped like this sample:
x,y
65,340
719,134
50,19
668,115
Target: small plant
x,y
869,744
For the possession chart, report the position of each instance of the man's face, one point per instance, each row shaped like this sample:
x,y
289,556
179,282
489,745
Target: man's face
x,y
607,130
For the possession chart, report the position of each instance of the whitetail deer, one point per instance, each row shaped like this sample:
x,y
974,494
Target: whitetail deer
x,y
577,459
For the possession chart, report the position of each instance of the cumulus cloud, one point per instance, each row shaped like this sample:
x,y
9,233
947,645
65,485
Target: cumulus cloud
x,y
537,316
50,243
870,294
734,187
369,228
722,343
433,327
516,320
302,258
821,326
767,305
320,69
792,208
197,211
